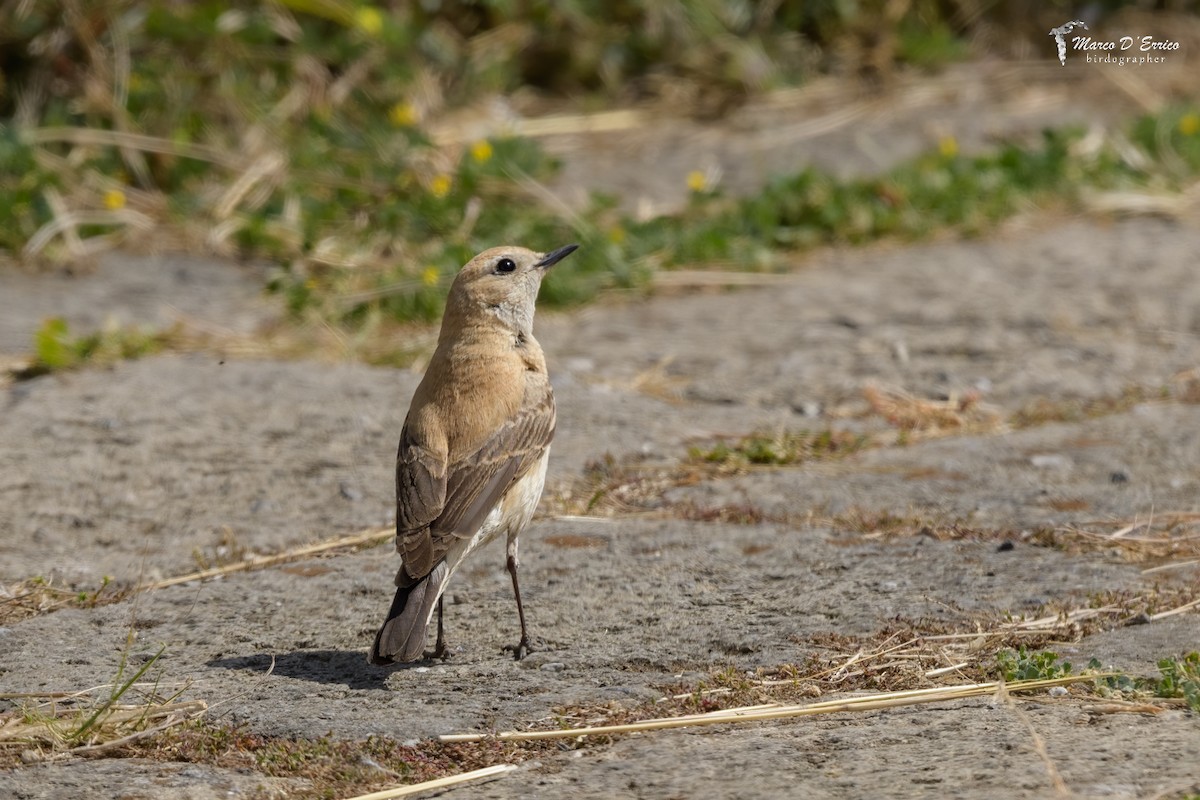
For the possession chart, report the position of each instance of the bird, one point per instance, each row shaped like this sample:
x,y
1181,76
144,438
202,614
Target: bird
x,y
473,450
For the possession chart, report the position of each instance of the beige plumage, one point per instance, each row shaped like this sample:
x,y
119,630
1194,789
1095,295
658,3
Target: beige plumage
x,y
473,450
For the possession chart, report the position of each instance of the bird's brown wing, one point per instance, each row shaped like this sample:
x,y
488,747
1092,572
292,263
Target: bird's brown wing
x,y
440,506
421,473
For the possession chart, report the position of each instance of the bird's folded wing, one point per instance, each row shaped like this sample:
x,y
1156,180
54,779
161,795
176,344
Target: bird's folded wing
x,y
420,497
472,486
420,483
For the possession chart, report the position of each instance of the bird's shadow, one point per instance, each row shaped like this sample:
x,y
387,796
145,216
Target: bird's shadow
x,y
345,667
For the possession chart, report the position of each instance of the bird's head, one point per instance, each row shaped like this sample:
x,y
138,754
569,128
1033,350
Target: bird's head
x,y
503,281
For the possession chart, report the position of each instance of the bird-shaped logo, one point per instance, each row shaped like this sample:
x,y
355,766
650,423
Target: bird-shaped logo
x,y
1060,37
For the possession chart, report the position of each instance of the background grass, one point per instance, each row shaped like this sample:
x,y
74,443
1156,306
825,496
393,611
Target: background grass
x,y
295,132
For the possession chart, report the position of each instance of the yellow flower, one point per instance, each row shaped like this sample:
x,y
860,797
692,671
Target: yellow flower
x,y
439,187
1189,124
481,151
114,199
311,284
696,181
616,235
369,20
430,276
402,114
948,146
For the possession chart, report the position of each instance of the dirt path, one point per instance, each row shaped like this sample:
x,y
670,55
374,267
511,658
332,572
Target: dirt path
x,y
141,470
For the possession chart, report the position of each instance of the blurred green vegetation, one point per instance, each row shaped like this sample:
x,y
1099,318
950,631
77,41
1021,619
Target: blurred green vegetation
x,y
292,131
57,348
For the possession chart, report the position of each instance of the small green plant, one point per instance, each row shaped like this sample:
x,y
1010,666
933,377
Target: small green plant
x,y
1181,678
55,348
1118,684
929,46
23,186
94,716
83,733
1023,665
92,599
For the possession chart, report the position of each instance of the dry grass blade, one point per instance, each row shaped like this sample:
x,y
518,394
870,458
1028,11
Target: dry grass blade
x,y
1143,203
873,702
1194,562
1177,610
95,721
368,537
69,723
67,223
37,596
452,132
1039,746
440,783
910,413
1123,707
66,729
135,141
1063,620
1162,535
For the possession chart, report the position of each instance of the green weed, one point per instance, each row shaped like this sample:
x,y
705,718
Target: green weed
x,y
92,717
55,348
1181,678
294,132
1022,665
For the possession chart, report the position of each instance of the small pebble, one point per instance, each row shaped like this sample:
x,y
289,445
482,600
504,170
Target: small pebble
x,y
553,666
262,504
1058,691
1004,547
1050,461
808,408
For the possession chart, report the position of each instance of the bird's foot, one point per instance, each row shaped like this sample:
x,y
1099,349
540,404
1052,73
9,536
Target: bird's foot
x,y
439,653
520,649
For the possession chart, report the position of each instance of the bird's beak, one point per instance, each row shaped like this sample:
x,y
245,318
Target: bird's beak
x,y
550,259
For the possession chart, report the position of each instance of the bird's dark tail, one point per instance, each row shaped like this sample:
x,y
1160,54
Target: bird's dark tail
x,y
402,637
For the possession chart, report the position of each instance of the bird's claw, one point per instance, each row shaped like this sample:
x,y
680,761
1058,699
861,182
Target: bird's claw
x,y
439,653
519,650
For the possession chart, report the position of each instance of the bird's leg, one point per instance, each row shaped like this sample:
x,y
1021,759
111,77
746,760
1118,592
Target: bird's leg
x,y
522,647
439,649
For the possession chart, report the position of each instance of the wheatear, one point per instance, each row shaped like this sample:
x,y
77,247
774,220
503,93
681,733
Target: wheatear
x,y
473,451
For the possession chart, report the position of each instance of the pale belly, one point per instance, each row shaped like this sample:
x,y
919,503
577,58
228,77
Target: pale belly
x,y
512,513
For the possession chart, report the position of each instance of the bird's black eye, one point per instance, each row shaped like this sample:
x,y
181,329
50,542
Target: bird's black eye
x,y
505,265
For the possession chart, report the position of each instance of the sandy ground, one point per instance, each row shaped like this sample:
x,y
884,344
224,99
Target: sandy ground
x,y
143,470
